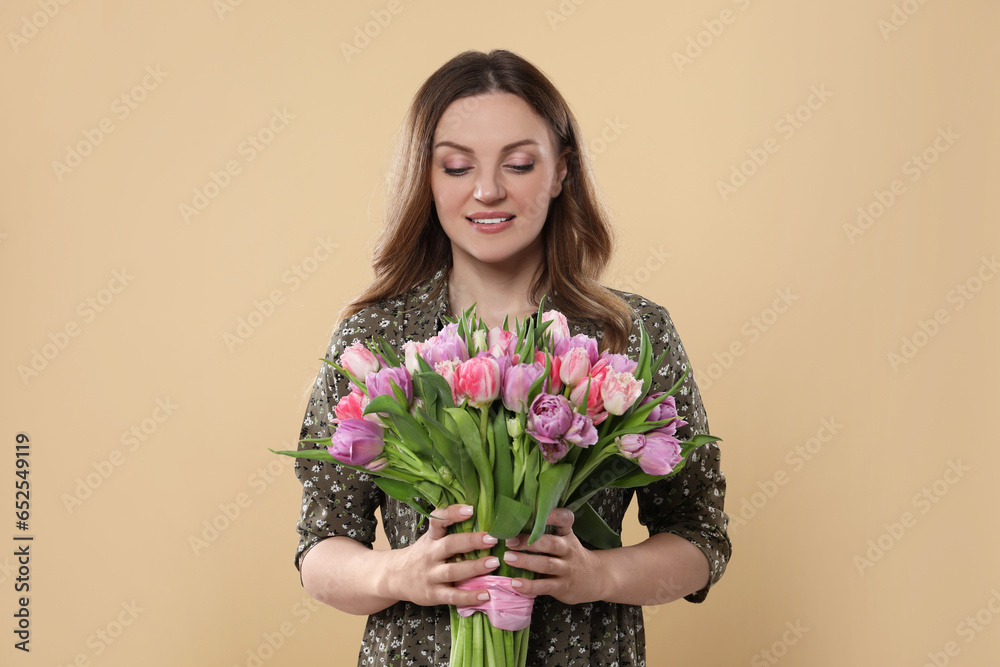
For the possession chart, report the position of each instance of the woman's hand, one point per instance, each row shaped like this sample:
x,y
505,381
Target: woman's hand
x,y
424,572
572,573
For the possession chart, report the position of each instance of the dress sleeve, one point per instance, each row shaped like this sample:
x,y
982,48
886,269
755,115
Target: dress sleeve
x,y
335,500
690,503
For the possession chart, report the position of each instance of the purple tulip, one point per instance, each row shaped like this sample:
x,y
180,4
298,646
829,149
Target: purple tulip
x,y
447,345
517,380
657,452
581,432
589,345
549,417
357,442
620,362
554,451
665,410
378,384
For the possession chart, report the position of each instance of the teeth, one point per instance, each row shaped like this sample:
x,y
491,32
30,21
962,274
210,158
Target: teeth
x,y
490,221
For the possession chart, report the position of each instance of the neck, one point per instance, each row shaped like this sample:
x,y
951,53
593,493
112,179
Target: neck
x,y
497,293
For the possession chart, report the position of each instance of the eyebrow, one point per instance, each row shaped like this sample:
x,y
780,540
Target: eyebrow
x,y
466,149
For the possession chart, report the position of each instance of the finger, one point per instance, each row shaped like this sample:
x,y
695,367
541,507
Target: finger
x,y
555,545
540,563
459,597
446,516
562,519
466,569
460,543
536,586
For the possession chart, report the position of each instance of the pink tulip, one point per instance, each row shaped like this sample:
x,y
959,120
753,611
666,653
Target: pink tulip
x,y
350,407
359,361
356,442
477,381
446,369
619,391
555,384
595,401
377,464
574,366
412,349
559,329
502,343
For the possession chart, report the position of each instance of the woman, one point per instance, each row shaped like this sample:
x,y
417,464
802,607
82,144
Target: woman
x,y
491,201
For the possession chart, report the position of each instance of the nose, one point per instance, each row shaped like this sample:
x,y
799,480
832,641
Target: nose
x,y
488,187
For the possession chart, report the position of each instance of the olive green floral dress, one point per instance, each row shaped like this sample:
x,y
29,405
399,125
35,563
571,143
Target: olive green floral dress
x,y
340,501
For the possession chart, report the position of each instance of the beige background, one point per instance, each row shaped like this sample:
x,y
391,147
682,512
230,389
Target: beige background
x,y
663,133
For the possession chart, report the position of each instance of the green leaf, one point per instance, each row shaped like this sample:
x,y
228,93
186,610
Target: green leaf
x,y
314,454
448,451
476,450
412,434
582,408
551,484
532,468
384,403
430,491
536,387
398,393
360,382
638,478
605,474
526,349
638,413
439,385
511,518
701,439
403,492
474,445
387,352
503,463
592,529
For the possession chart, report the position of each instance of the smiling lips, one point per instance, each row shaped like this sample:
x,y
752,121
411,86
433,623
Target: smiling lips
x,y
490,217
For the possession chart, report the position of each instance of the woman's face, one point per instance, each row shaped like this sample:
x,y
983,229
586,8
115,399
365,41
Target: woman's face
x,y
494,169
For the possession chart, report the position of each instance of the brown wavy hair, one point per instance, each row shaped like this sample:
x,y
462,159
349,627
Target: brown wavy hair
x,y
578,237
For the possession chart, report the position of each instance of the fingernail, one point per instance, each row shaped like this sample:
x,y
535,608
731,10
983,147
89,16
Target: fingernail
x,y
484,596
517,584
492,562
512,542
489,539
465,510
510,556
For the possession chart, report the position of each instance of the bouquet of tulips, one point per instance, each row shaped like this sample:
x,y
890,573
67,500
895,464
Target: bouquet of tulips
x,y
515,423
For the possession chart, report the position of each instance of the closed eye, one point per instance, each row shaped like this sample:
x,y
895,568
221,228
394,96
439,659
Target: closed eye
x,y
516,168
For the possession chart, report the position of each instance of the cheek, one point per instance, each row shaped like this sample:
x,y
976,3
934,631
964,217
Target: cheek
x,y
445,192
532,195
